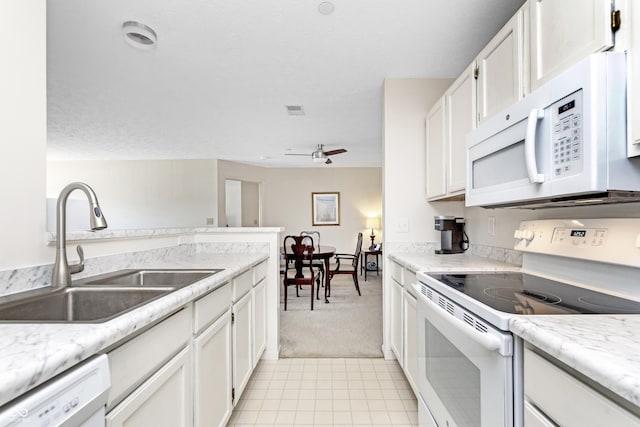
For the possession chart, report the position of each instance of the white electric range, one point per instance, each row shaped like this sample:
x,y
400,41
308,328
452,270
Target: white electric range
x,y
470,364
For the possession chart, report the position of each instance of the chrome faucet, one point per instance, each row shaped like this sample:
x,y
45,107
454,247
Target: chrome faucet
x,y
62,271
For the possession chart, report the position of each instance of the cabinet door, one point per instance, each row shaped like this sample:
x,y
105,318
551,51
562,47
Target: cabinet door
x,y
242,342
259,321
633,80
396,321
461,119
212,373
435,151
163,400
563,32
501,69
411,339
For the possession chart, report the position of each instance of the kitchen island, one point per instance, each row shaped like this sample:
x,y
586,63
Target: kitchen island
x,y
32,353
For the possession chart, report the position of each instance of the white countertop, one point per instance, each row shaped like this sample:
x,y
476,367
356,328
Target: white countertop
x,y
605,348
33,353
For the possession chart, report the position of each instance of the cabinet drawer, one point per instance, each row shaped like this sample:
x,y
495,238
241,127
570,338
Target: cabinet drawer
x,y
568,401
135,360
259,272
396,272
242,284
409,278
211,306
163,400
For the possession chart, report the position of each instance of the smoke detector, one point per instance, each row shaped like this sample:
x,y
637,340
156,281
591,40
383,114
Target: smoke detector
x,y
139,35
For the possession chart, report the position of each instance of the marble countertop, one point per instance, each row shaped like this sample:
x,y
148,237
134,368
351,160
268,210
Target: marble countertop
x,y
605,348
33,353
450,262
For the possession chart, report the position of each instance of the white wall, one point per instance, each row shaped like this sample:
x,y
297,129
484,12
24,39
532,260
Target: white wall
x,y
143,193
23,132
286,198
406,103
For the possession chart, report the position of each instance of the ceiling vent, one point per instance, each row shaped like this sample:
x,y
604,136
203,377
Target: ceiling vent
x,y
295,110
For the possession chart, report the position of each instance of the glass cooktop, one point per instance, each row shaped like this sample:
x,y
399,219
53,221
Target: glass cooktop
x,y
521,293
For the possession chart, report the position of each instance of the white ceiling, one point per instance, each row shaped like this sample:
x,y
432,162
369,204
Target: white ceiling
x,y
217,83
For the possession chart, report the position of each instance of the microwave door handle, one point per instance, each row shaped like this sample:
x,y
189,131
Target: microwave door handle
x,y
530,146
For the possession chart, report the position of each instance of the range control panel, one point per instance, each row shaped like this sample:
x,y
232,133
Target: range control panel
x,y
610,240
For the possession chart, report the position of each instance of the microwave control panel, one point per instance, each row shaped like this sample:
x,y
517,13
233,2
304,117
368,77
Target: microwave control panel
x,y
566,116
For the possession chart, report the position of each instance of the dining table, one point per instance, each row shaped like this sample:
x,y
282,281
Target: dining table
x,y
323,253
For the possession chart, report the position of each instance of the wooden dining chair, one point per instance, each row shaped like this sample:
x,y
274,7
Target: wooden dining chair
x,y
318,264
298,253
350,265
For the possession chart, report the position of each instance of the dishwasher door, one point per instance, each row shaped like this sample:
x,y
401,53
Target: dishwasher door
x,y
74,398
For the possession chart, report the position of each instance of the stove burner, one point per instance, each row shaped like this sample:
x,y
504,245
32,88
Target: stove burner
x,y
610,303
511,294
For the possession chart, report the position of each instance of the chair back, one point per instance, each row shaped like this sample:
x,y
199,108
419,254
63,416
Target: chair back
x,y
298,249
315,235
358,250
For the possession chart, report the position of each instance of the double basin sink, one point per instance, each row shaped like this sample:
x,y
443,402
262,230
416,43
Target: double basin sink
x,y
99,298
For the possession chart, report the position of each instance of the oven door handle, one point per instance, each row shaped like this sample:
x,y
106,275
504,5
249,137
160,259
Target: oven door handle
x,y
487,341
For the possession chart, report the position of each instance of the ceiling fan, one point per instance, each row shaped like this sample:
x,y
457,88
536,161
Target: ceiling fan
x,y
321,156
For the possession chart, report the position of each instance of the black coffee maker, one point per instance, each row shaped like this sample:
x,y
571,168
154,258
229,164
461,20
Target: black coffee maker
x,y
453,239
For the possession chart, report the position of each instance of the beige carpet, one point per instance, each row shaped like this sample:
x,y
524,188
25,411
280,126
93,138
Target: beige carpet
x,y
349,326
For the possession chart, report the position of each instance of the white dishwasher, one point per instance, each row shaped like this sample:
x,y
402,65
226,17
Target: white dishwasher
x,y
74,398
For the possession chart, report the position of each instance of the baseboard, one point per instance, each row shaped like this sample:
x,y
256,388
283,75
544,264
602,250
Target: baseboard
x,y
387,353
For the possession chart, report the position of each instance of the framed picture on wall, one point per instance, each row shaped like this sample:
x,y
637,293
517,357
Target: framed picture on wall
x,y
325,208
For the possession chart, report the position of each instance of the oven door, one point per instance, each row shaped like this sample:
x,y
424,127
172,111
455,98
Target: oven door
x,y
465,375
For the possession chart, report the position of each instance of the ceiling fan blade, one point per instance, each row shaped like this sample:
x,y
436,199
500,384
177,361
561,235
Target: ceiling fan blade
x,y
332,152
295,154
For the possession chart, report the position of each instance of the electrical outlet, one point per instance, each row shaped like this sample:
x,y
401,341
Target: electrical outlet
x,y
402,226
491,226
209,221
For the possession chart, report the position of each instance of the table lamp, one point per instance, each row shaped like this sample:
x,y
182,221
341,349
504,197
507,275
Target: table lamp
x,y
373,223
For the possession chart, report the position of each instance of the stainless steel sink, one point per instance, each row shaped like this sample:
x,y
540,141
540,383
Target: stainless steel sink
x,y
75,304
149,277
99,298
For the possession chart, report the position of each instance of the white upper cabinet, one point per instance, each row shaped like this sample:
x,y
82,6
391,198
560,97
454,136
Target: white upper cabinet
x,y
448,122
460,101
435,152
563,32
501,67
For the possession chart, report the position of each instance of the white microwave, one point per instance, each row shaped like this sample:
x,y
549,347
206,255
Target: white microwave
x,y
562,145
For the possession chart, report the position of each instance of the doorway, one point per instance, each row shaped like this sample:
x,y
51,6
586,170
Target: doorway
x,y
242,203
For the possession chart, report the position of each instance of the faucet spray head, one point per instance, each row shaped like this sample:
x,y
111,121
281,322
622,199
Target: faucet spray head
x,y
96,218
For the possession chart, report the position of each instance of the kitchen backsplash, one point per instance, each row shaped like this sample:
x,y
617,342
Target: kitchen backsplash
x,y
25,279
509,256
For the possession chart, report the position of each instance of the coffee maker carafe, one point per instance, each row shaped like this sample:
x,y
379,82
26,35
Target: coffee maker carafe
x,y
452,236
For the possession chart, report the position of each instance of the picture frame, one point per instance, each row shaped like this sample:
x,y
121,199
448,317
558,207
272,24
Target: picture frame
x,y
325,208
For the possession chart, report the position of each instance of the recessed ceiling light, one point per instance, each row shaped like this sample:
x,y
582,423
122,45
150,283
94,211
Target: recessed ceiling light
x,y
139,35
326,8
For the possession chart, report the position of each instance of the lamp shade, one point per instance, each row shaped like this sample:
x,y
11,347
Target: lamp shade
x,y
373,223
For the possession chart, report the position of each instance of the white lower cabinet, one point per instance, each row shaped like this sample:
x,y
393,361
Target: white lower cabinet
x,y
554,397
212,374
410,339
396,321
259,321
242,344
163,400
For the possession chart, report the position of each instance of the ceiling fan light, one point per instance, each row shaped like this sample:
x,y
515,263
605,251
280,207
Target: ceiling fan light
x,y
318,157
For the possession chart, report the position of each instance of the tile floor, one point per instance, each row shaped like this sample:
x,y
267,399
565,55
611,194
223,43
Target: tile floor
x,y
327,392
